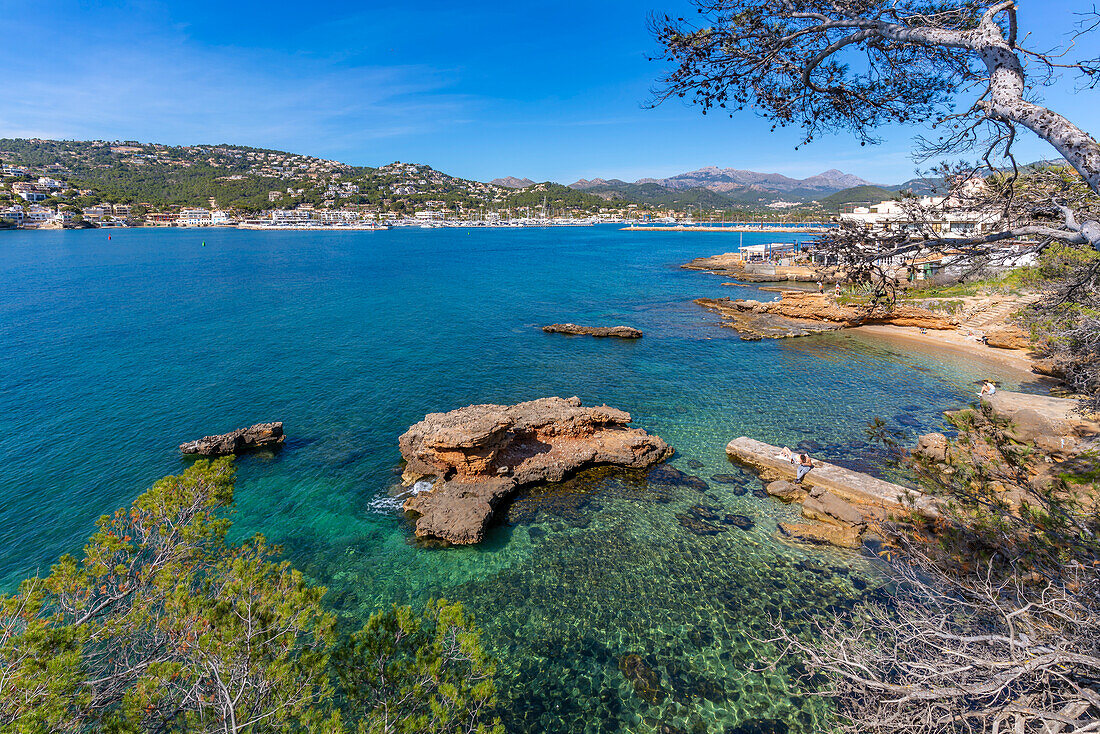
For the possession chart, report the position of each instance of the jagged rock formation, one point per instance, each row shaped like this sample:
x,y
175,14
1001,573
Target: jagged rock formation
x,y
481,454
259,436
622,332
798,314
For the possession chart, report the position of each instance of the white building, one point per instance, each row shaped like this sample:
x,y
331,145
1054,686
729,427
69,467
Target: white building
x,y
219,217
338,216
194,218
93,212
50,183
29,192
943,216
36,216
291,216
14,213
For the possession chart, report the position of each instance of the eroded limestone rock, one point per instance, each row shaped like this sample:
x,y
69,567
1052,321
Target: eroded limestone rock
x,y
827,507
785,490
822,534
622,332
800,313
259,436
482,453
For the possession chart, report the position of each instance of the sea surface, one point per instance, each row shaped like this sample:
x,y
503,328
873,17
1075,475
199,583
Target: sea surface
x,y
607,610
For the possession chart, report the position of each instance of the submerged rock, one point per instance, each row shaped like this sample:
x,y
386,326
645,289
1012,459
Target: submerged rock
x,y
702,520
622,332
259,436
646,681
665,474
482,453
743,522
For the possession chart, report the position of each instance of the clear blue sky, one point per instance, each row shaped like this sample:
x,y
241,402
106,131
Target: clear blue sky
x,y
548,90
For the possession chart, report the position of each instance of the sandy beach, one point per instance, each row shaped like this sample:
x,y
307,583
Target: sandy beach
x,y
956,341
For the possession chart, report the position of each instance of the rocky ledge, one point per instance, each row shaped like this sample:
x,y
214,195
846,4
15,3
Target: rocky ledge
x,y
259,436
841,501
798,314
622,332
479,455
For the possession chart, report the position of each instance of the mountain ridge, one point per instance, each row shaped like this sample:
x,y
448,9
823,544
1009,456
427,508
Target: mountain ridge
x,y
724,180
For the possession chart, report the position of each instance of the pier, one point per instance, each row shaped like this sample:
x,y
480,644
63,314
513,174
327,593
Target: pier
x,y
852,486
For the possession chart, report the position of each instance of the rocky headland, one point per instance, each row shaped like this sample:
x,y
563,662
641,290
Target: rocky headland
x,y
800,313
242,440
479,455
621,332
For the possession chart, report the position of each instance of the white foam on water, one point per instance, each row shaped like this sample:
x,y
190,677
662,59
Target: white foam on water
x,y
389,504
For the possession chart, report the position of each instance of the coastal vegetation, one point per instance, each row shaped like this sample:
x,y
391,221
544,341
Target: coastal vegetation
x,y
163,625
993,623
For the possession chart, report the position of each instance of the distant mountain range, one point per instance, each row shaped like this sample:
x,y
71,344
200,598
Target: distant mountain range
x,y
714,188
511,182
733,180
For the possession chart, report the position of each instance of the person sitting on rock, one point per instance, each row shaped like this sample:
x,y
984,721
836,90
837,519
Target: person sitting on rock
x,y
988,388
805,463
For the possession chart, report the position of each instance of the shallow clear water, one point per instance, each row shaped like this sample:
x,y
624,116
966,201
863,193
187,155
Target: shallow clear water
x,y
112,352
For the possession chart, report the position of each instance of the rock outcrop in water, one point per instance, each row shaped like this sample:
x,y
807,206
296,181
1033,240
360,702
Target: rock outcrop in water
x,y
798,314
622,332
259,436
481,454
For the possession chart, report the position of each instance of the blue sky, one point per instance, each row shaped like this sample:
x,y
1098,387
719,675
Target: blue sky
x,y
548,90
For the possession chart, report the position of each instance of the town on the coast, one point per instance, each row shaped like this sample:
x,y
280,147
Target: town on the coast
x,y
46,184
672,448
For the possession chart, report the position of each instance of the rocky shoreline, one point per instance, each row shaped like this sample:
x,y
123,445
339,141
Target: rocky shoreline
x,y
799,314
478,456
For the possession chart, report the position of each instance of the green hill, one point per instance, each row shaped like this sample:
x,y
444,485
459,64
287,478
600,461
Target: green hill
x,y
856,195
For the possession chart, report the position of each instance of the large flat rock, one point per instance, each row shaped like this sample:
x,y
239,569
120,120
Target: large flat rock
x,y
1043,414
479,455
855,487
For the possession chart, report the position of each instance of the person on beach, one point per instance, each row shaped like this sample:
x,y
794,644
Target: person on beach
x,y
988,388
820,287
785,454
836,290
805,463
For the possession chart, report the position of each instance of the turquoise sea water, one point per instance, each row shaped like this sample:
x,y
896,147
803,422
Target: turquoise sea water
x,y
112,352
